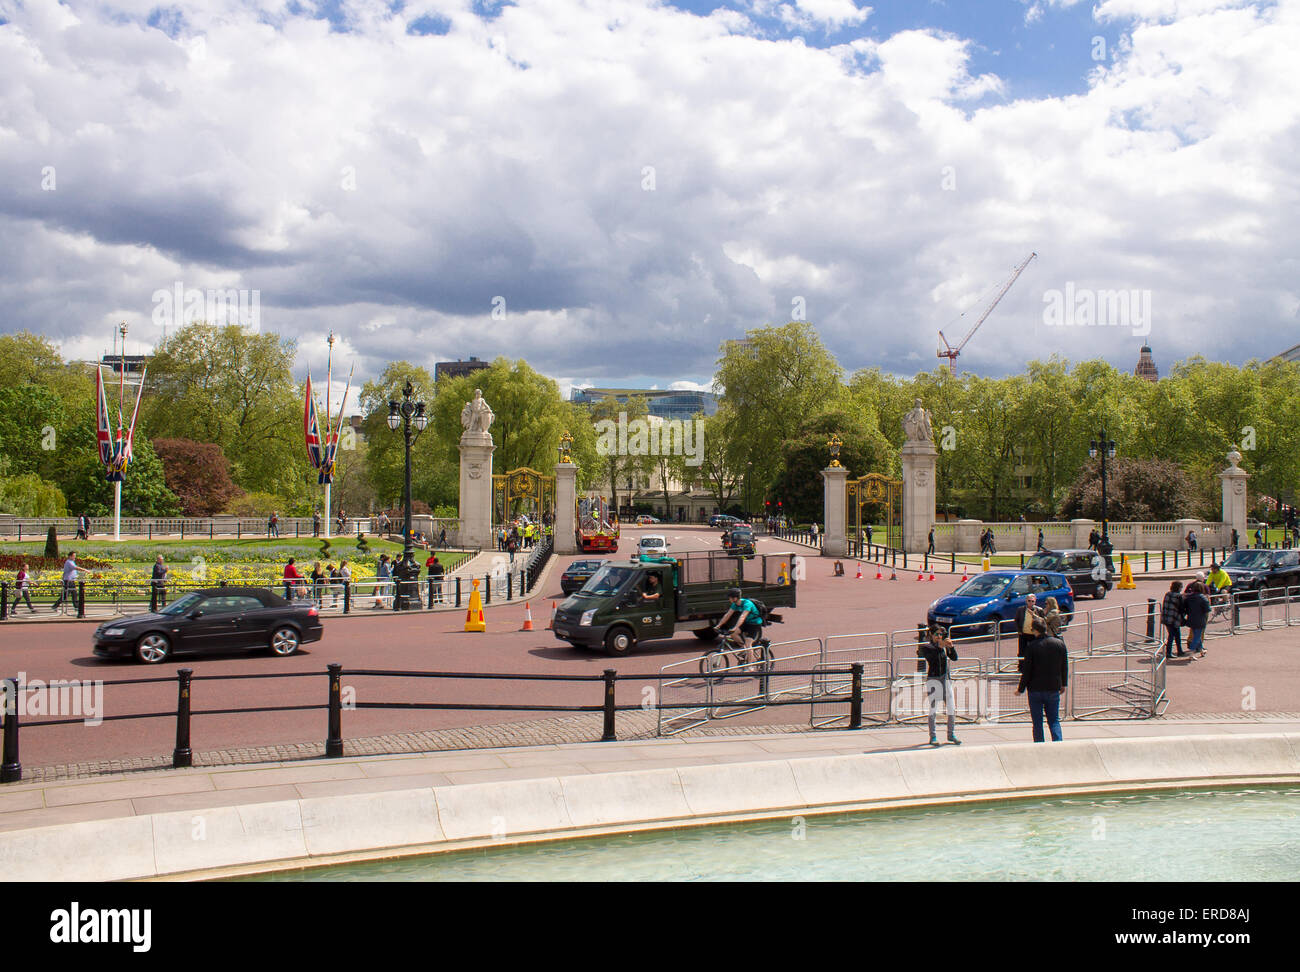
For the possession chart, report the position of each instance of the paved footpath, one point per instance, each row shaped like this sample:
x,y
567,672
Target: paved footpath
x,y
52,802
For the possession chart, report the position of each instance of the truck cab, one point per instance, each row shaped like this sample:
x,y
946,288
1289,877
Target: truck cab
x,y
651,598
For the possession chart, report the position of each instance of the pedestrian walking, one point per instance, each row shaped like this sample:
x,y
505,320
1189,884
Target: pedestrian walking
x,y
512,544
383,581
1259,536
23,588
345,578
436,571
158,582
1042,544
938,650
1191,541
274,525
1044,676
1093,537
1197,610
442,539
315,523
929,542
1025,615
1171,617
1052,617
317,581
336,582
83,527
68,590
1236,539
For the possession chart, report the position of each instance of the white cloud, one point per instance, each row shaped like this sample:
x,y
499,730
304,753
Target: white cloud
x,y
390,186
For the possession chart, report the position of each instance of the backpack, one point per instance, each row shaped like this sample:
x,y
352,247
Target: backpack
x,y
763,611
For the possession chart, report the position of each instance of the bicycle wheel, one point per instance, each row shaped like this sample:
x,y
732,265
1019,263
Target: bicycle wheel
x,y
766,660
719,662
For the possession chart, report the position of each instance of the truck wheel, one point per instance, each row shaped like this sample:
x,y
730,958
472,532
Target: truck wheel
x,y
619,641
706,634
1100,592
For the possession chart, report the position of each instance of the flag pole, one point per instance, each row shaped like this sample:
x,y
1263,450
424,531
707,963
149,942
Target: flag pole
x,y
121,409
329,379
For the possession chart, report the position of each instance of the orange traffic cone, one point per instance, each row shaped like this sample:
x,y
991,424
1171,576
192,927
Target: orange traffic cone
x,y
879,575
550,625
964,576
859,570
528,618
893,574
931,575
920,575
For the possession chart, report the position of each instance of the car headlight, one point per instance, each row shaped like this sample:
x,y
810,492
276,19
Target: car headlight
x,y
587,616
113,632
975,609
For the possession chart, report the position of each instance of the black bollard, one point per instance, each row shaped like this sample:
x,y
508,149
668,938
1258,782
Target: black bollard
x,y
1151,617
855,706
487,583
182,755
347,597
11,771
510,587
334,736
457,590
609,734
81,599
4,600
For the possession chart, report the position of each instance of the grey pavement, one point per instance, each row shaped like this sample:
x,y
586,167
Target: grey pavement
x,y
288,773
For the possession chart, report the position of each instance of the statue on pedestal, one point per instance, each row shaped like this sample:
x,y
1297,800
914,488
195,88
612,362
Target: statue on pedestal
x,y
917,425
477,415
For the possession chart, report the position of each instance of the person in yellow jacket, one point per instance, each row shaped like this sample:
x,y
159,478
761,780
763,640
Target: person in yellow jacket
x,y
1218,578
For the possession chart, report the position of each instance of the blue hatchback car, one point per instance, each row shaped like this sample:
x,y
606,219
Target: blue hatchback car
x,y
994,597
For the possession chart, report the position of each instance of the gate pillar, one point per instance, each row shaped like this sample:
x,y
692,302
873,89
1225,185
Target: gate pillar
x,y
834,507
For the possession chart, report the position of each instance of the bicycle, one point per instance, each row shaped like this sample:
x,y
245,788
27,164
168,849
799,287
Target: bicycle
x,y
732,655
1221,607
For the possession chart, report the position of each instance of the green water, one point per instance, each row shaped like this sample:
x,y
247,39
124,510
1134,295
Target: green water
x,y
1219,835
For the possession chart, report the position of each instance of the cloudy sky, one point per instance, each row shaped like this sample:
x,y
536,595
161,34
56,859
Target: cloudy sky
x,y
610,188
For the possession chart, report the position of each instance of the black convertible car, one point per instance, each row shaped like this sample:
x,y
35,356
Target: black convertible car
x,y
217,619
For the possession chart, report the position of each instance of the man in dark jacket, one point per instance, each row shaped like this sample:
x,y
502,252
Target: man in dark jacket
x,y
938,650
1171,616
1197,607
1045,674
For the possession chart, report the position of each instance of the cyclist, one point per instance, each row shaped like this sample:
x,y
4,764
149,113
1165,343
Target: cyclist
x,y
1218,579
748,622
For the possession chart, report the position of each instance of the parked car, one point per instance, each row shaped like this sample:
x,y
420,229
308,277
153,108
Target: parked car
x,y
578,573
993,597
647,518
1254,570
217,619
1084,569
723,520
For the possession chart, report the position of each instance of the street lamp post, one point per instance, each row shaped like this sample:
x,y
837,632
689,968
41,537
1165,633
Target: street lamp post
x,y
403,415
1104,447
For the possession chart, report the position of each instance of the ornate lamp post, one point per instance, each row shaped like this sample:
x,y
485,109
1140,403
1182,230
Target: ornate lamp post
x,y
403,415
1104,447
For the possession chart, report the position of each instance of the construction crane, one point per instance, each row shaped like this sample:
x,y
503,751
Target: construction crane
x,y
949,351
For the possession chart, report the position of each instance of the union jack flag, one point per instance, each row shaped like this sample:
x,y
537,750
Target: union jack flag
x,y
311,429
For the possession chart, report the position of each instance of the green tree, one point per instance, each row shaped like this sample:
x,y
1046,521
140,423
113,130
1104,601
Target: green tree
x,y
234,388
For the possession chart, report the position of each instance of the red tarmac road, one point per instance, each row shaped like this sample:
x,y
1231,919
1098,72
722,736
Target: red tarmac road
x,y
1265,662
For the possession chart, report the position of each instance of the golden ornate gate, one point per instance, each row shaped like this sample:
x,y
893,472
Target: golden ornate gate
x,y
522,490
875,499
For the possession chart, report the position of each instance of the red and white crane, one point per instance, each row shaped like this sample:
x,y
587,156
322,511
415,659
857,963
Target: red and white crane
x,y
949,351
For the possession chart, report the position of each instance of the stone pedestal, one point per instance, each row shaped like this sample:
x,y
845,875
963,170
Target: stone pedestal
x,y
1082,527
919,460
476,450
566,497
834,506
1234,498
966,536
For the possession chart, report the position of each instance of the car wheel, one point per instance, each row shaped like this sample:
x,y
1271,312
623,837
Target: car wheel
x,y
153,648
1100,592
619,641
285,641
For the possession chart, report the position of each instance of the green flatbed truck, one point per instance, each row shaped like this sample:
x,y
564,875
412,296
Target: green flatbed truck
x,y
616,609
